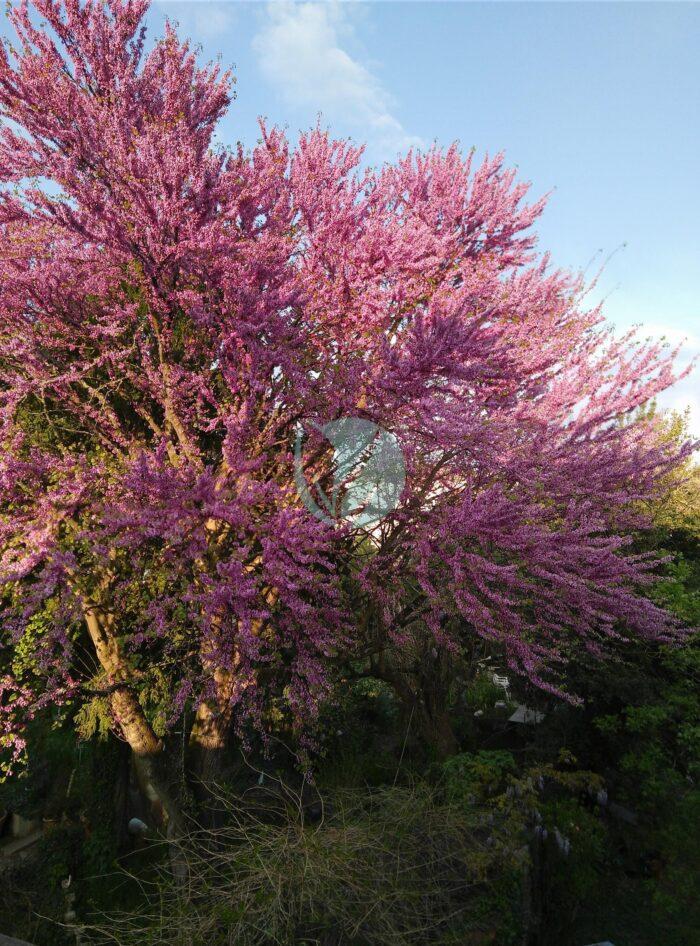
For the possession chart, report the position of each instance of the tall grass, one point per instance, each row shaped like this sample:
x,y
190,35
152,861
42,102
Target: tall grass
x,y
398,866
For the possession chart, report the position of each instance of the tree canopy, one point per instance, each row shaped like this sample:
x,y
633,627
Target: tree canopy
x,y
171,311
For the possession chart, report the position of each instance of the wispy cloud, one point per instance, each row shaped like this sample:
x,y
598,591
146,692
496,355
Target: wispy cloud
x,y
203,19
300,53
213,19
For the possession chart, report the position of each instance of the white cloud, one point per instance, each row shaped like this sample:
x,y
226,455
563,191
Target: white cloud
x,y
299,52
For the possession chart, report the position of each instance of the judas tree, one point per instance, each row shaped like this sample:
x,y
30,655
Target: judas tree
x,y
171,312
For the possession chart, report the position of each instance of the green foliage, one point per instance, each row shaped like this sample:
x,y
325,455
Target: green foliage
x,y
33,791
656,741
577,875
679,591
481,692
472,777
32,902
360,732
676,893
71,788
93,718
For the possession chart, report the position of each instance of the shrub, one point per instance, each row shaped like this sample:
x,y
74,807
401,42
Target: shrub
x,y
395,867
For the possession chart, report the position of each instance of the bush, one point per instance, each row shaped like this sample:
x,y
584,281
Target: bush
x,y
395,867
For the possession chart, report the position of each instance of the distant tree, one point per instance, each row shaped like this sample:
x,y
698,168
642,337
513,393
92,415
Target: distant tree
x,y
170,312
677,507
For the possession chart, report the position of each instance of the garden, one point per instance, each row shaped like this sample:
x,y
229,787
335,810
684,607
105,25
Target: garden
x,y
349,565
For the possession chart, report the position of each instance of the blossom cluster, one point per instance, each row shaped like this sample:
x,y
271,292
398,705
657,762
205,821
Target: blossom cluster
x,y
169,313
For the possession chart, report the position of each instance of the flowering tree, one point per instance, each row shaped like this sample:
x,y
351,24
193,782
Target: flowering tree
x,y
170,312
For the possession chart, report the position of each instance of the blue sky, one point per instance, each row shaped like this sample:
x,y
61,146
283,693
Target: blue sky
x,y
597,102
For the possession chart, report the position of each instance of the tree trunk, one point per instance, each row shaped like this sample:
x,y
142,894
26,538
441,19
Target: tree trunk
x,y
208,741
424,701
148,759
435,728
146,746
